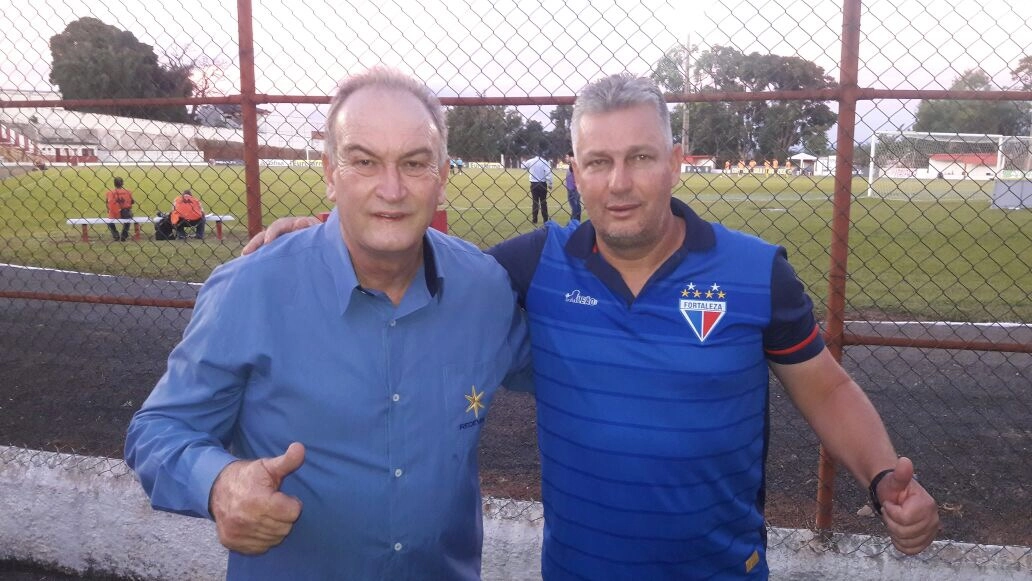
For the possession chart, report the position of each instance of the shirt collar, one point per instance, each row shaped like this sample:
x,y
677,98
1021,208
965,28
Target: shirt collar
x,y
338,261
698,233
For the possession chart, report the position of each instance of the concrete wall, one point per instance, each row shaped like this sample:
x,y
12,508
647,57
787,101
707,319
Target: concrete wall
x,y
83,513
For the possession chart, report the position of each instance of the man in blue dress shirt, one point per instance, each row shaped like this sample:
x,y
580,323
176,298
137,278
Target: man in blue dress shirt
x,y
325,404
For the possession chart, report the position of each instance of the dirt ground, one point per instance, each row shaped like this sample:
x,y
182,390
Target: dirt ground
x,y
72,374
10,171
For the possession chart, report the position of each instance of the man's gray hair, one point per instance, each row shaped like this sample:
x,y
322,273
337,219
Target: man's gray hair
x,y
381,77
617,92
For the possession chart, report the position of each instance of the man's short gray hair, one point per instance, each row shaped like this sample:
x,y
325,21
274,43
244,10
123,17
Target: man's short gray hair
x,y
617,92
381,77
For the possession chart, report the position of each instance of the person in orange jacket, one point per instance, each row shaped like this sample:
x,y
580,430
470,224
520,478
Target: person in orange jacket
x,y
120,205
187,212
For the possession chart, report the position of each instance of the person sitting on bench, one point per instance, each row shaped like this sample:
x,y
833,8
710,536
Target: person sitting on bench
x,y
120,205
187,212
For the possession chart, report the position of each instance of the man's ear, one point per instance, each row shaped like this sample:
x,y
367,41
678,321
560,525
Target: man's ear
x,y
328,176
676,157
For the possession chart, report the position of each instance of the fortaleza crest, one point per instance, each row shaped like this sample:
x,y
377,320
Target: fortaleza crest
x,y
703,308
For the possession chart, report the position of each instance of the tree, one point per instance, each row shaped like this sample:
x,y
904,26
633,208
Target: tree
x,y
482,132
532,140
668,74
979,117
1022,73
559,138
206,75
93,60
748,130
862,154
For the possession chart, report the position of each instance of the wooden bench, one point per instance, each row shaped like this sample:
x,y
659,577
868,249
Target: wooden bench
x,y
85,223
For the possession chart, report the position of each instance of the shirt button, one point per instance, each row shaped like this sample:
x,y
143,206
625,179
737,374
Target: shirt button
x,y
397,472
392,323
397,546
395,397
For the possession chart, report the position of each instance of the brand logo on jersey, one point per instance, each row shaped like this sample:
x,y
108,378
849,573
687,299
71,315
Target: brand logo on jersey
x,y
703,308
574,296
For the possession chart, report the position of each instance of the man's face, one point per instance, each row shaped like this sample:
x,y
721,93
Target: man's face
x,y
388,180
626,173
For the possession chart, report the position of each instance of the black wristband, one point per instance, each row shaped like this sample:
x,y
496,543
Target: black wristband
x,y
872,490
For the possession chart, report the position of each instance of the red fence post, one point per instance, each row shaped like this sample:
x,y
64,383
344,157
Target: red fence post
x,y
440,221
848,78
249,114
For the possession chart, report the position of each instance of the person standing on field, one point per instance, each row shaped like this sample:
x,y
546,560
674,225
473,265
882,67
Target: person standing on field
x,y
540,175
572,195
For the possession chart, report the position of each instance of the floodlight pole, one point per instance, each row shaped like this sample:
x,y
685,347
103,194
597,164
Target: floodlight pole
x,y
870,170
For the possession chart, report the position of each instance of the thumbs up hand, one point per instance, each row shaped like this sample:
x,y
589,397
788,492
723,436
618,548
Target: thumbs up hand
x,y
251,514
909,512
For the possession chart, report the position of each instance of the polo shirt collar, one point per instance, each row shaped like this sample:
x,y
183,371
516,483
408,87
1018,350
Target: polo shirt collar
x,y
338,261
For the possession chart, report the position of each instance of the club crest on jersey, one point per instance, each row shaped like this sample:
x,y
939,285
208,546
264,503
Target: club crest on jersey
x,y
703,308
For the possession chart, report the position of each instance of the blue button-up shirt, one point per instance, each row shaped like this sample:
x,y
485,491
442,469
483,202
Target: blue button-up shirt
x,y
389,401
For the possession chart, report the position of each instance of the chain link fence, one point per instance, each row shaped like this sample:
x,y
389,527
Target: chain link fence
x,y
885,145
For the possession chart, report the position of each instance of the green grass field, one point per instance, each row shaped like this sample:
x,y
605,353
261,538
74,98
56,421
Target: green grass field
x,y
932,250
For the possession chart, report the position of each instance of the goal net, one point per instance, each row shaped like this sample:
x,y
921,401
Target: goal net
x,y
936,166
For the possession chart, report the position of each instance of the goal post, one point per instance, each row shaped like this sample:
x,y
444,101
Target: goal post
x,y
965,161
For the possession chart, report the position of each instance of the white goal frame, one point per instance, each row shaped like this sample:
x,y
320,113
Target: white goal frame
x,y
1000,145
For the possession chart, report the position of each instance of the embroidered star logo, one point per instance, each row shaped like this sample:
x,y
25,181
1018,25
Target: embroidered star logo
x,y
475,405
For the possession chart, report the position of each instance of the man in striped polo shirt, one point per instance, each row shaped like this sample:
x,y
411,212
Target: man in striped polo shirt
x,y
652,333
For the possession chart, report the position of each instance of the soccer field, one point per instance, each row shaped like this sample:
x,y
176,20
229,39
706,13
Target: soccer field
x,y
934,248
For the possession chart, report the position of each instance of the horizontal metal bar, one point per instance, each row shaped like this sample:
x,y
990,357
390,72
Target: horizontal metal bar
x,y
835,94
874,340
99,299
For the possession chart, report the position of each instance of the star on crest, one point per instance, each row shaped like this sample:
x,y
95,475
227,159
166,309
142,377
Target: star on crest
x,y
475,405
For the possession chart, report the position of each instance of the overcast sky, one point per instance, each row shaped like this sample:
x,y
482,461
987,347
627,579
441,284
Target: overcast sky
x,y
509,48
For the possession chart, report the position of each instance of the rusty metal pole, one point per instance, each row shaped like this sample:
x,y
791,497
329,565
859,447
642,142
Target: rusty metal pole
x,y
686,145
249,112
835,324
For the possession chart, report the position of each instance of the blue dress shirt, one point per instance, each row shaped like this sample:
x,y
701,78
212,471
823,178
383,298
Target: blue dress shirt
x,y
389,401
